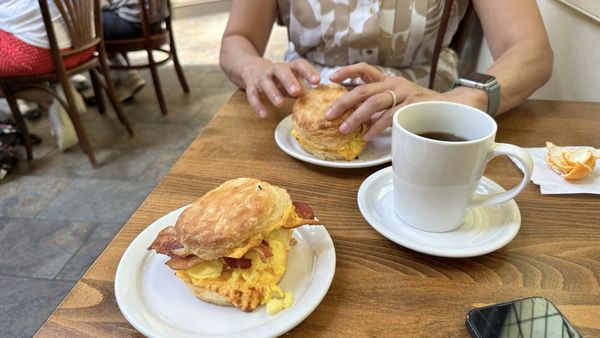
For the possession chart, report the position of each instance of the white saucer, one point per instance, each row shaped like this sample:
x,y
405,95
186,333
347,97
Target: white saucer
x,y
486,229
377,152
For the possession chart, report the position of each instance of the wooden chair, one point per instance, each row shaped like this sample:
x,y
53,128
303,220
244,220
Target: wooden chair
x,y
85,33
467,41
152,11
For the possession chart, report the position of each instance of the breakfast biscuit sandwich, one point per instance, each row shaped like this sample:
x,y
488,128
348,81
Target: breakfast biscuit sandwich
x,y
322,137
231,246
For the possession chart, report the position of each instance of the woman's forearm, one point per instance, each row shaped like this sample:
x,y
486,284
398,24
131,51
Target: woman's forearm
x,y
236,53
518,41
246,36
520,71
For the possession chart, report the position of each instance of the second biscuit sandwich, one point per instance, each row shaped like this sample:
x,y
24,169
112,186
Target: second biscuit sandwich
x,y
319,136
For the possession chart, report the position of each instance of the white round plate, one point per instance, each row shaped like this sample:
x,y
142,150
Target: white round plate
x,y
485,229
377,152
158,304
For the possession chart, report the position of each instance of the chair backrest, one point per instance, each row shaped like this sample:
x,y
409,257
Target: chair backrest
x,y
155,10
83,22
467,41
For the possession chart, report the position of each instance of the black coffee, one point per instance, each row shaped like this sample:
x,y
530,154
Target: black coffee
x,y
442,136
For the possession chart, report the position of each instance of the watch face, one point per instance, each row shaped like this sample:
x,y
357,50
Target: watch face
x,y
479,77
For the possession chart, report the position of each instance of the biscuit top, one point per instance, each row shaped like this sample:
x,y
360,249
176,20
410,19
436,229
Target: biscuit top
x,y
232,218
309,109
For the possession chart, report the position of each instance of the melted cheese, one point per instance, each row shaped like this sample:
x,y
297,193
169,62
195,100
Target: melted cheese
x,y
258,282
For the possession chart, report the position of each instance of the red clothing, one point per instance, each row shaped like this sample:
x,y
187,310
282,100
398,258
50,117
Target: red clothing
x,y
17,58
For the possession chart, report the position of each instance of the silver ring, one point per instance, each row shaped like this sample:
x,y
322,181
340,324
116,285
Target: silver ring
x,y
394,97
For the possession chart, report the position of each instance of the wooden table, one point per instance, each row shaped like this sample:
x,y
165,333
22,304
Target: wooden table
x,y
380,288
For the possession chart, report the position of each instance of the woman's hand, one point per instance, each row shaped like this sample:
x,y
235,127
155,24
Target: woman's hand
x,y
241,57
276,80
373,100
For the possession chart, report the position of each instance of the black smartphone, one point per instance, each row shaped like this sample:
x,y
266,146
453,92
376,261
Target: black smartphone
x,y
521,318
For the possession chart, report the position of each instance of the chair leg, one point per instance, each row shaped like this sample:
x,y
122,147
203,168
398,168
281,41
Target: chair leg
x,y
157,86
109,87
14,107
126,58
97,93
74,115
178,68
173,52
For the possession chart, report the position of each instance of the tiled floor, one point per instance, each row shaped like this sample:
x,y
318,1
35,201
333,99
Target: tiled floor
x,y
57,213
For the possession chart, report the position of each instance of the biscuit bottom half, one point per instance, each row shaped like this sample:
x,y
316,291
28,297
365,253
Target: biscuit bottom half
x,y
347,150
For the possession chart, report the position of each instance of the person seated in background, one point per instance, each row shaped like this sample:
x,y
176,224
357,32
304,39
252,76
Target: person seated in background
x,y
25,51
384,45
121,19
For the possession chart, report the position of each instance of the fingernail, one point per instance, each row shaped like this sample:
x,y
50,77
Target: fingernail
x,y
328,113
344,128
278,100
293,88
262,114
314,78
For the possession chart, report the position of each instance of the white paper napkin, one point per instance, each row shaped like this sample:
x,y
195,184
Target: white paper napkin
x,y
551,182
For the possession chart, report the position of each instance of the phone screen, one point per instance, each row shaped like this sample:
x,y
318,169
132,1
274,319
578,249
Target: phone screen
x,y
523,318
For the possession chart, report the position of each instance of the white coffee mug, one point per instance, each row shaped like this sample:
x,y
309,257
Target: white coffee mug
x,y
435,180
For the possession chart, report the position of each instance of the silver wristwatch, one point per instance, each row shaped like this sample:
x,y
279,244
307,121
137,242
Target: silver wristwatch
x,y
485,82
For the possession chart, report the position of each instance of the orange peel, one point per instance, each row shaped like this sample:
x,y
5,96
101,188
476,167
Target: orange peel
x,y
571,163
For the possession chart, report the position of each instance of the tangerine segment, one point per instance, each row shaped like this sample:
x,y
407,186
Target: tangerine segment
x,y
579,171
571,163
579,155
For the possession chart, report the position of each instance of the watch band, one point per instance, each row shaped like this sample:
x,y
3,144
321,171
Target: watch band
x,y
493,93
487,83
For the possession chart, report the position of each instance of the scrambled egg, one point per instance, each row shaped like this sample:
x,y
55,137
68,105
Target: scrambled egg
x,y
248,288
349,152
352,150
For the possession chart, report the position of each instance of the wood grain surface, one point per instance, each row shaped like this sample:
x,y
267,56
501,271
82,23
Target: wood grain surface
x,y
380,288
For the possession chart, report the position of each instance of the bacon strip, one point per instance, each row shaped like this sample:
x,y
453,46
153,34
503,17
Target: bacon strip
x,y
263,251
183,263
303,210
306,215
311,221
238,263
166,242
